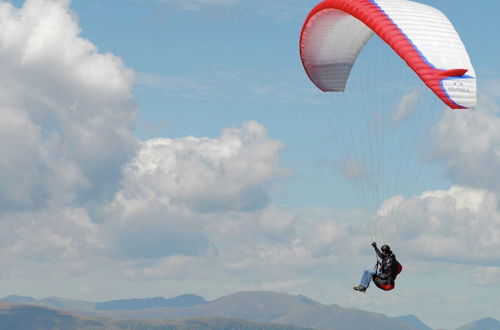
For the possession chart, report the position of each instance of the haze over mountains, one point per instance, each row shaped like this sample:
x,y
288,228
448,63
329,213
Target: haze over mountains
x,y
250,310
27,317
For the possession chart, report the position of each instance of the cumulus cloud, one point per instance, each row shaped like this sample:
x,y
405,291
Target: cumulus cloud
x,y
68,109
66,131
77,185
468,143
174,188
461,225
61,238
204,174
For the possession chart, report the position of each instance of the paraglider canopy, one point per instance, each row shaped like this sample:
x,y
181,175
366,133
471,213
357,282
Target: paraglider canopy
x,y
335,31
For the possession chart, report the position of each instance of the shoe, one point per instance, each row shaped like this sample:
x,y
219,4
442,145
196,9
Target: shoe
x,y
360,288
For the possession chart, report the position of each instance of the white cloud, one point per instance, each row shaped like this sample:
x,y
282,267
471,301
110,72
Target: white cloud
x,y
389,205
276,223
460,225
66,131
61,238
468,143
406,106
203,174
68,110
174,188
326,238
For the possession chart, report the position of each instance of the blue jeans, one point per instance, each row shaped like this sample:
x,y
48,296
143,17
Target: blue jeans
x,y
367,278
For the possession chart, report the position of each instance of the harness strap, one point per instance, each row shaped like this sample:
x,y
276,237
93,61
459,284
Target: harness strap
x,y
376,266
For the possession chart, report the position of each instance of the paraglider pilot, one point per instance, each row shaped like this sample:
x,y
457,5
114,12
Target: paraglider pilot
x,y
385,272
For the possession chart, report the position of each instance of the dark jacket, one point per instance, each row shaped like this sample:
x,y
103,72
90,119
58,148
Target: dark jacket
x,y
387,267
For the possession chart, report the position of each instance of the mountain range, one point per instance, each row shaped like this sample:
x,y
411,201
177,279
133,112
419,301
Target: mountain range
x,y
31,317
247,310
484,324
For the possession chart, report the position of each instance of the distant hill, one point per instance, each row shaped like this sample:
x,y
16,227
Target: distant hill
x,y
255,306
339,318
413,321
483,324
18,299
205,324
187,300
279,308
261,307
66,304
27,317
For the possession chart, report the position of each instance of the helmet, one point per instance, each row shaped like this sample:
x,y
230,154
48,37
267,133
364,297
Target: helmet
x,y
386,249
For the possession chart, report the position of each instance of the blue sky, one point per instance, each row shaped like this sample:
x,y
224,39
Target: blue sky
x,y
165,147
